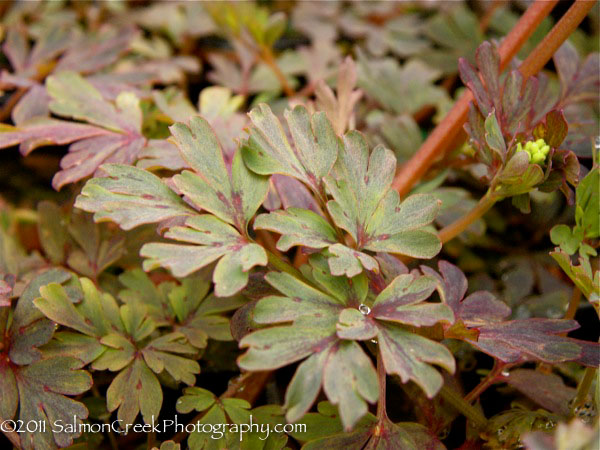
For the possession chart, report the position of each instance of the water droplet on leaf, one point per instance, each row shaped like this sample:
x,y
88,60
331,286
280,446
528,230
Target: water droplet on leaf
x,y
364,309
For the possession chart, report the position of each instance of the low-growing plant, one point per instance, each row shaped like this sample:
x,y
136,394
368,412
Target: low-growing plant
x,y
211,268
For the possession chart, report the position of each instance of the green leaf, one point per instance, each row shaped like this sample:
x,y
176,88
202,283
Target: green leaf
x,y
272,348
268,151
162,353
587,199
123,333
366,207
213,239
493,135
349,262
133,390
400,89
306,228
304,386
234,199
350,381
326,423
130,197
195,399
324,324
186,307
406,354
297,227
324,430
563,236
352,324
95,316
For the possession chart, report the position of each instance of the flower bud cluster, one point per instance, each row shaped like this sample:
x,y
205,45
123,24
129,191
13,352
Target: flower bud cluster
x,y
537,150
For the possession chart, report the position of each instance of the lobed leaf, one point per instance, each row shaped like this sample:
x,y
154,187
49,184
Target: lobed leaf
x,y
130,197
268,151
212,239
233,198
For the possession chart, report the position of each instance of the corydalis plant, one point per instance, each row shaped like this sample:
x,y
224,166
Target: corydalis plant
x,y
353,187
33,381
328,319
516,133
362,202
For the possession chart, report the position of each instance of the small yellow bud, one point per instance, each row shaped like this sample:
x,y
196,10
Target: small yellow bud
x,y
537,150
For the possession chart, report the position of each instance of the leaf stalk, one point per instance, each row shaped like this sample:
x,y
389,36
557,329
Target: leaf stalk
x,y
454,229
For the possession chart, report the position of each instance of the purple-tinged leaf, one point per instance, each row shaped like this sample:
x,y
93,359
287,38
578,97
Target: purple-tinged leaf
x,y
364,205
29,329
35,383
7,283
316,146
529,339
93,52
406,354
33,104
42,131
555,129
488,62
294,194
470,78
160,153
304,386
511,341
42,389
402,302
115,136
130,197
354,325
233,197
212,239
547,389
297,227
350,381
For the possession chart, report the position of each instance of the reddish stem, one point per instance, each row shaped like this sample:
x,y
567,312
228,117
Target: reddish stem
x,y
493,377
568,23
443,135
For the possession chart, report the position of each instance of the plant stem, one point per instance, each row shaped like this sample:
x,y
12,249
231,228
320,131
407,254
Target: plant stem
x,y
568,23
10,434
490,379
266,54
584,386
8,106
441,138
454,229
465,408
573,304
381,375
